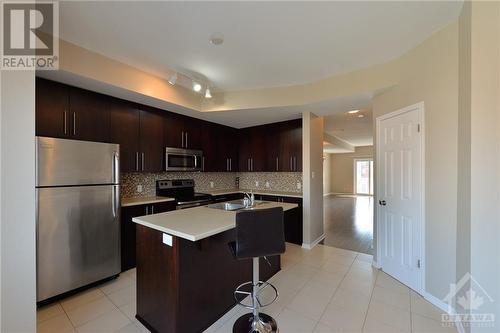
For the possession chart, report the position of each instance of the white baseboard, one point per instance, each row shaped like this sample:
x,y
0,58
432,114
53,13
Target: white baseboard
x,y
375,264
443,306
327,194
314,243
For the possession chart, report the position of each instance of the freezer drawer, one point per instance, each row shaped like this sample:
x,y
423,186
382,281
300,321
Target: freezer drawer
x,y
63,162
78,237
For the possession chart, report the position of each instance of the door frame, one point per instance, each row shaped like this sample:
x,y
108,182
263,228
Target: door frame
x,y
360,158
419,107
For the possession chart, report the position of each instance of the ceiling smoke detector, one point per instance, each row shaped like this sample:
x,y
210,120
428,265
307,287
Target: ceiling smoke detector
x,y
353,111
216,39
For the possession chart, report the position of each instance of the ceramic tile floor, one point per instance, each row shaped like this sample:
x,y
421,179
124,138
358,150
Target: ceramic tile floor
x,y
325,289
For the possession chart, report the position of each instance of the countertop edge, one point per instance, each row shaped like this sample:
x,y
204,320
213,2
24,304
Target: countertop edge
x,y
136,201
276,193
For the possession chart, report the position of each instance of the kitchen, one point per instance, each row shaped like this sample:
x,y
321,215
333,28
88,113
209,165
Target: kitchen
x,y
160,162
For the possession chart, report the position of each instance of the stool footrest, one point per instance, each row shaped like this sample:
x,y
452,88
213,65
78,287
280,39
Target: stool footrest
x,y
262,285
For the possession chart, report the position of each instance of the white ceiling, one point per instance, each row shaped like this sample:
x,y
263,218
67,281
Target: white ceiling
x,y
350,128
267,44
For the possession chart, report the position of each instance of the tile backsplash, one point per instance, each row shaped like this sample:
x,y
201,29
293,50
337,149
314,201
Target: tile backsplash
x,y
277,181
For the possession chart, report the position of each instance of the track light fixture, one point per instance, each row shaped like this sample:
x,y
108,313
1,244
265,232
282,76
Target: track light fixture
x,y
196,86
172,79
208,94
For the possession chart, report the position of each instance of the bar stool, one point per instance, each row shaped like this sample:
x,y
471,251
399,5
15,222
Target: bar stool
x,y
259,233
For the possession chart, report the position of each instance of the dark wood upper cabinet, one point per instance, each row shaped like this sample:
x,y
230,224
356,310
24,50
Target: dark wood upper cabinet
x,y
182,131
291,146
89,119
125,130
67,112
52,109
143,133
151,144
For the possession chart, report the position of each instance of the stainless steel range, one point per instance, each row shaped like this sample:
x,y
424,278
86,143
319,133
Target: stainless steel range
x,y
183,192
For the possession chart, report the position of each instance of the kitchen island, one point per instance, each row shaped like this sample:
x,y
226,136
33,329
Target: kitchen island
x,y
186,273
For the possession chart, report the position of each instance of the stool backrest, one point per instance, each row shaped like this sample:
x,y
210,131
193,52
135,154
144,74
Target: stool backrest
x,y
259,233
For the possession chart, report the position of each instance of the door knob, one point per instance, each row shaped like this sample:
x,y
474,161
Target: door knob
x,y
382,202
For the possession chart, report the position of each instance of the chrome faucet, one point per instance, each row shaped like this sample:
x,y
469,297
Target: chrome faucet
x,y
249,199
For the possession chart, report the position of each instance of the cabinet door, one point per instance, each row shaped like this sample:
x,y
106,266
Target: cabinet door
x,y
273,138
125,130
152,150
244,150
258,148
89,119
209,145
293,221
128,245
174,130
231,138
193,133
51,109
297,144
162,207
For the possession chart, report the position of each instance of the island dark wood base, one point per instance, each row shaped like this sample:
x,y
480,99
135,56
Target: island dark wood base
x,y
188,286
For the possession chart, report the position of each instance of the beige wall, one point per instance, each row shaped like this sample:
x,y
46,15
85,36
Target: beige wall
x,y
341,170
429,73
17,214
485,153
312,166
327,165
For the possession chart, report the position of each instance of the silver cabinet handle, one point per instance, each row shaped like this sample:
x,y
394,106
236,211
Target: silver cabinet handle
x,y
65,116
230,164
136,161
152,209
203,163
74,123
142,161
227,164
248,164
182,139
186,139
291,163
251,163
277,164
147,210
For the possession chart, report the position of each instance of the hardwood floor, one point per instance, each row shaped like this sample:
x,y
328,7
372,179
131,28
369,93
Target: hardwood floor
x,y
348,222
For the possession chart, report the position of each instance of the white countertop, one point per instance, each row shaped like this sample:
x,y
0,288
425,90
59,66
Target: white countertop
x,y
259,192
134,201
200,222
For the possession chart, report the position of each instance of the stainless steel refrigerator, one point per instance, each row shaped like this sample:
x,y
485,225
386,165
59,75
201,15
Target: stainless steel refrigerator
x,y
78,206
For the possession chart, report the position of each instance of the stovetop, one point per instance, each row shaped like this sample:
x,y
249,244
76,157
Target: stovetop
x,y
180,189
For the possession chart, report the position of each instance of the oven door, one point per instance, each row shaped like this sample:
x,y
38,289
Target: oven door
x,y
182,159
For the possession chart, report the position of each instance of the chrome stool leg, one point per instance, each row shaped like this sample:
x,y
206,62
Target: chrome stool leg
x,y
255,321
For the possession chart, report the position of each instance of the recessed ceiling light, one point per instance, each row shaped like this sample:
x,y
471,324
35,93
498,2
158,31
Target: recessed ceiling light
x,y
353,111
207,93
216,39
196,86
360,115
172,79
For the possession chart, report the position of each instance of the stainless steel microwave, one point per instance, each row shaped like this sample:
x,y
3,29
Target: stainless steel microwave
x,y
178,159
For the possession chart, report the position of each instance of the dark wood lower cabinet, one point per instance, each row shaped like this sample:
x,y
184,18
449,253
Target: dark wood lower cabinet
x,y
128,229
188,286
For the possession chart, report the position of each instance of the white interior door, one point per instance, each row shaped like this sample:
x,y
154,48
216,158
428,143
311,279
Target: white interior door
x,y
399,170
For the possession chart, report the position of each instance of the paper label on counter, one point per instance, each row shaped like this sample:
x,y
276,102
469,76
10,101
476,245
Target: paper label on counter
x,y
167,239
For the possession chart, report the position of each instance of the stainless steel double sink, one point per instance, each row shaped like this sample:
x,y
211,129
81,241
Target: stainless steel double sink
x,y
234,205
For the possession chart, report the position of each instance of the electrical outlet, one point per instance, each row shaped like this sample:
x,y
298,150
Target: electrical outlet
x,y
211,184
268,185
139,189
256,183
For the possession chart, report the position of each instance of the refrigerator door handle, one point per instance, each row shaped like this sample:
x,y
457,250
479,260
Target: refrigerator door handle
x,y
115,200
116,167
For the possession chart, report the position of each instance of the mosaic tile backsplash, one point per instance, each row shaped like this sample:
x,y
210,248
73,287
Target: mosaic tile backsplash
x,y
278,181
